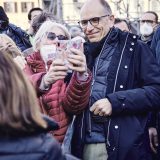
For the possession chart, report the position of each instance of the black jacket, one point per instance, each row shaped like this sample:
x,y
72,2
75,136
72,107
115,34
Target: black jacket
x,y
19,36
35,146
133,88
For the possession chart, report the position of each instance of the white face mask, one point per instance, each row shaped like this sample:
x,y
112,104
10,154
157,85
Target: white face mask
x,y
48,52
146,29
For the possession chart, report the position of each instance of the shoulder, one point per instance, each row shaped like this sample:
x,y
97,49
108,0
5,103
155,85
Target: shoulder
x,y
157,34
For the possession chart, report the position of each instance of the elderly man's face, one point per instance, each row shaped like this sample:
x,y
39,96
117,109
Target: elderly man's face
x,y
95,21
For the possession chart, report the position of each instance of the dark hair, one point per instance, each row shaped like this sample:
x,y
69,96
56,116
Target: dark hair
x,y
41,18
106,6
32,10
155,14
118,20
3,15
19,109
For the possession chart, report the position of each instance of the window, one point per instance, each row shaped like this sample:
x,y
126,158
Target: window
x,y
26,6
10,7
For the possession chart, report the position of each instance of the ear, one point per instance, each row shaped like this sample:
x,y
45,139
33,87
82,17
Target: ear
x,y
111,19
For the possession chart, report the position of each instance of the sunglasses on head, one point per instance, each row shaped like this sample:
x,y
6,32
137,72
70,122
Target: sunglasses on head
x,y
52,36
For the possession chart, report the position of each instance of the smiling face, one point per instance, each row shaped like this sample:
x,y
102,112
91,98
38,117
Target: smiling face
x,y
97,32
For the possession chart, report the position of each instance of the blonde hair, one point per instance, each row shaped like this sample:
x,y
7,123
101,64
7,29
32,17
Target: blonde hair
x,y
46,27
8,45
19,109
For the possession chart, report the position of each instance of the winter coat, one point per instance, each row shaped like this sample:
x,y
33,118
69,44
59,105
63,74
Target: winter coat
x,y
32,146
155,117
19,36
155,45
133,89
61,101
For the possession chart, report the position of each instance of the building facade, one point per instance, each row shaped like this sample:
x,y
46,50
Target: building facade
x,y
17,10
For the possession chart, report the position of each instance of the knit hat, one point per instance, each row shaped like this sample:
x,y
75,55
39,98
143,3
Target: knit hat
x,y
3,16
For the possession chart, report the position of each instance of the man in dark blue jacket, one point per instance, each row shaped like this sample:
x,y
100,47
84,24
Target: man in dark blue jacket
x,y
19,36
125,87
154,129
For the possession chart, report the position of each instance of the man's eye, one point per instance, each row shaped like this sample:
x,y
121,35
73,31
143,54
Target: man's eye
x,y
96,19
149,21
85,22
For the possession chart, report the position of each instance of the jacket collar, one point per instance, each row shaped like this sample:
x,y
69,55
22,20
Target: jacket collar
x,y
92,50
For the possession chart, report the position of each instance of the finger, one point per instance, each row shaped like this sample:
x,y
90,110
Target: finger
x,y
76,63
59,68
77,57
59,73
153,148
76,51
101,114
151,145
93,107
58,62
155,140
77,69
104,112
97,110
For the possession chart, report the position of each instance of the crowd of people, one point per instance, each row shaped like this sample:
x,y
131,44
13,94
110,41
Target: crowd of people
x,y
90,92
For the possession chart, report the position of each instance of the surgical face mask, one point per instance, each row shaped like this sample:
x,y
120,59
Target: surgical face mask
x,y
146,29
48,52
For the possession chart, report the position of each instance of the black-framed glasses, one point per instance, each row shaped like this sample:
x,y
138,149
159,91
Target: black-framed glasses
x,y
147,21
93,21
52,36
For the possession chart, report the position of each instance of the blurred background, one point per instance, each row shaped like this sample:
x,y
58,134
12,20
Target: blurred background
x,y
67,11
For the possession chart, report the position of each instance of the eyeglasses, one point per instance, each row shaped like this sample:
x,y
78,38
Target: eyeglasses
x,y
52,36
147,21
93,21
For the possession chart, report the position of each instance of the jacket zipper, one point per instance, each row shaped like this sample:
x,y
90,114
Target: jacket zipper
x,y
115,83
93,81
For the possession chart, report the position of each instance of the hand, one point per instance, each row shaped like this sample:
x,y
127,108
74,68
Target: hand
x,y
153,137
102,107
77,61
20,61
57,71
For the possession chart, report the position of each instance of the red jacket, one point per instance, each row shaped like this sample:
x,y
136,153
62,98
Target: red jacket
x,y
60,100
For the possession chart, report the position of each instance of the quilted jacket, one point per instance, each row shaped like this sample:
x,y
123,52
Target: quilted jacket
x,y
61,101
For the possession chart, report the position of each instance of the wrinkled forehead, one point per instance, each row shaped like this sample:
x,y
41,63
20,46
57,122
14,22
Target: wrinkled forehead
x,y
90,10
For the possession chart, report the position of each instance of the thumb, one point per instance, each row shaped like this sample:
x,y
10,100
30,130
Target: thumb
x,y
93,107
